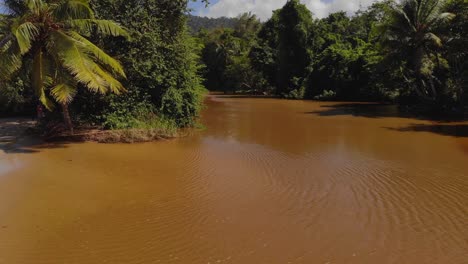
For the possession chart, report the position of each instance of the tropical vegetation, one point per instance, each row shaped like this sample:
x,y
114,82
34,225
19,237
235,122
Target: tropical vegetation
x,y
412,52
47,39
121,64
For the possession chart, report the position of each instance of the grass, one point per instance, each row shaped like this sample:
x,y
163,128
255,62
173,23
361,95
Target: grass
x,y
142,131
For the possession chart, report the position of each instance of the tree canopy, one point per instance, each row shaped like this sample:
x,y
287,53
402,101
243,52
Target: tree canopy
x,y
411,52
49,38
120,64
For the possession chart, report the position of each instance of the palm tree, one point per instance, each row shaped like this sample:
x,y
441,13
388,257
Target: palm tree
x,y
49,37
411,36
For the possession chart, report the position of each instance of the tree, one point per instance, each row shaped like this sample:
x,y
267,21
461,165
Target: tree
x,y
247,26
160,61
220,46
263,54
226,56
283,51
50,37
345,57
456,50
411,38
294,55
197,23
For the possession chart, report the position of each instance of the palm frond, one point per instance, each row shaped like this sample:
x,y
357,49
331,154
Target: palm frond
x,y
80,65
25,35
443,18
63,93
104,27
404,18
98,54
10,60
61,56
35,6
6,40
434,39
73,9
113,85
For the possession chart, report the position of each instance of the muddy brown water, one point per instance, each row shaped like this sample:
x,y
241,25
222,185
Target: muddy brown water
x,y
268,181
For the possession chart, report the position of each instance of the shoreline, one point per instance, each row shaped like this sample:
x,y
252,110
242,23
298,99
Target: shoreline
x,y
15,130
127,136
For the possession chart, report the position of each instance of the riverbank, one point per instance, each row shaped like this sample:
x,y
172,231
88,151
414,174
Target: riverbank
x,y
17,129
115,136
12,129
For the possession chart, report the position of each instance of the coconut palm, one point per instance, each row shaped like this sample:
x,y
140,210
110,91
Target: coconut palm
x,y
50,38
411,36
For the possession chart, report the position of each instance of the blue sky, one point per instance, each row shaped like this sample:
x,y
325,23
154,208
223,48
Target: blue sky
x,y
198,5
264,8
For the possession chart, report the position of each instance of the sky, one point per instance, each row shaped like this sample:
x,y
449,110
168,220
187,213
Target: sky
x,y
263,8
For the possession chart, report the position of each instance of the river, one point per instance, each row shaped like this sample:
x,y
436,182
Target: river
x,y
267,181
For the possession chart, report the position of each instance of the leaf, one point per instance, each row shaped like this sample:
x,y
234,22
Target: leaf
x,y
63,93
434,39
25,34
73,9
77,62
10,60
35,6
447,16
99,54
112,84
105,27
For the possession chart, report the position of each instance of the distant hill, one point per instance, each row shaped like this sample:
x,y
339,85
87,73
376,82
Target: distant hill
x,y
196,23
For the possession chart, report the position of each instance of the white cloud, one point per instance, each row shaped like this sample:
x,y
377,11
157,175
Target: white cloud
x,y
264,8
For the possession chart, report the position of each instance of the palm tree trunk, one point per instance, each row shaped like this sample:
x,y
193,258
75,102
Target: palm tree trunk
x,y
67,118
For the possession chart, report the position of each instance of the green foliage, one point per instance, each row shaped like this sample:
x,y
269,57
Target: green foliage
x,y
456,52
14,97
196,23
345,56
413,40
413,51
409,51
51,34
326,95
134,118
283,51
226,56
126,112
48,38
293,53
160,60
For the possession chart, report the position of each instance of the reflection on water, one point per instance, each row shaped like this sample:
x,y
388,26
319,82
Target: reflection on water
x,y
268,181
8,165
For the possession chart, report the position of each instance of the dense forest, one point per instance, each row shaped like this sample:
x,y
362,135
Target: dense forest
x,y
413,53
145,64
196,23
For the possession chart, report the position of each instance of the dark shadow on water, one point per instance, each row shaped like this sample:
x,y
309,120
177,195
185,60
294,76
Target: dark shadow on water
x,y
445,130
15,138
380,110
17,150
30,145
243,96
